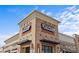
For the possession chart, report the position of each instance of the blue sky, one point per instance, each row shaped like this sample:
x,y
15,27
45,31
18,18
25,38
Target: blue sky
x,y
10,15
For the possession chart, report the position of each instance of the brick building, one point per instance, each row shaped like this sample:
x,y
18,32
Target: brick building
x,y
39,34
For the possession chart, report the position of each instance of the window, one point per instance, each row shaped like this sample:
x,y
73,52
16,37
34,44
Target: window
x,y
27,50
47,49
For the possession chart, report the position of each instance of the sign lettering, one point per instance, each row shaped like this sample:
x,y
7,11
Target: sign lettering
x,y
26,28
47,27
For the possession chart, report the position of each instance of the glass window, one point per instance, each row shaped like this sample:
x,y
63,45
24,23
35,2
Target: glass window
x,y
47,49
27,50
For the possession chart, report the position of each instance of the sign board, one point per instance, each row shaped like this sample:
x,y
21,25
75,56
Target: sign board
x,y
26,28
47,27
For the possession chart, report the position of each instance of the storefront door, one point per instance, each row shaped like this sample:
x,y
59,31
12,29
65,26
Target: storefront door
x,y
47,49
27,50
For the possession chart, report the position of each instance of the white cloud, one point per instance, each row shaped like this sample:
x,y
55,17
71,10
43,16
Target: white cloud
x,y
49,13
72,9
43,11
76,11
3,38
69,18
46,12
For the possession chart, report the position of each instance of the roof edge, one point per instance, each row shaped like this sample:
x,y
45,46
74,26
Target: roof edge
x,y
11,37
66,35
40,13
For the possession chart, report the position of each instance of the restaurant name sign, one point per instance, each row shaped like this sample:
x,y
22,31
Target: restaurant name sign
x,y
26,28
47,27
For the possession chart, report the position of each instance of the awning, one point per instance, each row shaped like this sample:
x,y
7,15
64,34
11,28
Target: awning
x,y
50,41
23,41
